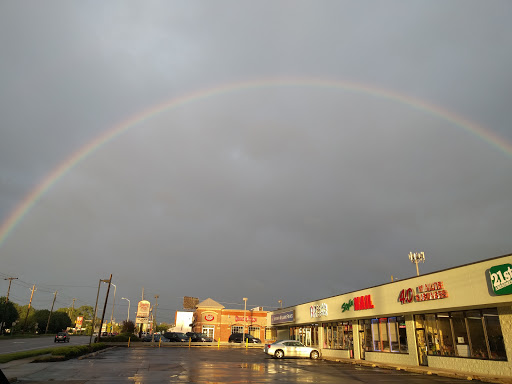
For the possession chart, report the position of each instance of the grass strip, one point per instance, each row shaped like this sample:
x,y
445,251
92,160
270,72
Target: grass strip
x,y
67,352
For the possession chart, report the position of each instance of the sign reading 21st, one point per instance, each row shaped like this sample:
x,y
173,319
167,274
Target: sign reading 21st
x,y
501,279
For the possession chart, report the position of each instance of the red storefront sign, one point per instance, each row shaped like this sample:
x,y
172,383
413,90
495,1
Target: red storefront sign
x,y
247,319
209,317
363,302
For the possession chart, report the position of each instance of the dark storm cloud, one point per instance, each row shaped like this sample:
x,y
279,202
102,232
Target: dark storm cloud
x,y
271,193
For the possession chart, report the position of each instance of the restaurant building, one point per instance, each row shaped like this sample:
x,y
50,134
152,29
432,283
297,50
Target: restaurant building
x,y
214,320
459,318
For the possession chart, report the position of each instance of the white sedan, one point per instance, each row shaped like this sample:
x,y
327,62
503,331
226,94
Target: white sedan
x,y
290,348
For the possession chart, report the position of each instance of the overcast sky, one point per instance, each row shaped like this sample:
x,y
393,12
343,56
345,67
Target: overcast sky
x,y
294,192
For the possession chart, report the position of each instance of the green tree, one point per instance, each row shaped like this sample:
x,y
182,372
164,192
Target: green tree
x,y
8,313
128,327
59,321
162,327
40,318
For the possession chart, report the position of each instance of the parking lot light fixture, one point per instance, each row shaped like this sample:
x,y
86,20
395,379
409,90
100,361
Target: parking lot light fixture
x,y
128,318
416,258
245,310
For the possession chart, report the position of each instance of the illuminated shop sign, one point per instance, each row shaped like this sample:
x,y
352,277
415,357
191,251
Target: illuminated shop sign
x,y
209,317
246,319
318,310
424,292
501,279
359,303
283,317
363,302
346,306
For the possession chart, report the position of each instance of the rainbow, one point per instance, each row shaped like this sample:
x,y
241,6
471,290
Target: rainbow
x,y
61,170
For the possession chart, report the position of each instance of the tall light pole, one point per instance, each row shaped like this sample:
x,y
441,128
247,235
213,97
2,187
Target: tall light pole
x,y
113,304
280,302
245,319
128,318
417,257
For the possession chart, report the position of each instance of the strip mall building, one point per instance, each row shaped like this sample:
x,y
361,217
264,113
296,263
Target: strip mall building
x,y
459,319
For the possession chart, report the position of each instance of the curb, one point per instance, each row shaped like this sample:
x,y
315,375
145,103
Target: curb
x,y
428,371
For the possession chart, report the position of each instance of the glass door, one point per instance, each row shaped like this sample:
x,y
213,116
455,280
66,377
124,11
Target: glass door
x,y
361,344
422,346
209,330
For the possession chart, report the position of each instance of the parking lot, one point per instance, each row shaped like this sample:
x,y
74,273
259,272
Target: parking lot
x,y
206,365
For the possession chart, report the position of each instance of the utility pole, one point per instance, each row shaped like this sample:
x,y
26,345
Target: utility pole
x,y
50,315
154,318
112,315
9,289
95,311
104,307
29,304
72,312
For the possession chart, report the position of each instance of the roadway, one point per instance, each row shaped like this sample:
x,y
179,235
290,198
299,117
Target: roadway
x,y
8,345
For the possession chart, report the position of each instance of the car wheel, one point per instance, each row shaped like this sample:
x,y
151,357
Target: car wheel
x,y
314,355
279,354
54,341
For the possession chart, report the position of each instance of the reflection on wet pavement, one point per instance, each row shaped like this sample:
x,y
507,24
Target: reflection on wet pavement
x,y
207,365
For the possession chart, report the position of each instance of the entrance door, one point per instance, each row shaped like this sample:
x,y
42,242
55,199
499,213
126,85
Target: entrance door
x,y
209,330
361,344
422,346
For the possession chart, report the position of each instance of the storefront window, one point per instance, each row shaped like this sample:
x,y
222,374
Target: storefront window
x,y
402,335
270,333
445,335
338,335
254,331
368,335
237,329
307,335
460,334
386,334
432,336
494,335
375,335
475,333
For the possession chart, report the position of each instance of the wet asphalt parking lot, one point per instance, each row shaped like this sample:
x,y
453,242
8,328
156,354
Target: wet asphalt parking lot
x,y
208,365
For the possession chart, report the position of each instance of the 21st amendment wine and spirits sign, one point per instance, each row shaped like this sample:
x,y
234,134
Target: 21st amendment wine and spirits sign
x,y
501,279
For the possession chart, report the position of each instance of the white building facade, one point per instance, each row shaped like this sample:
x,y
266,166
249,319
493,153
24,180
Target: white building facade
x,y
459,319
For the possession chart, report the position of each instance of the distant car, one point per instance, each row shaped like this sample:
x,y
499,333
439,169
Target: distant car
x,y
290,348
176,337
147,338
239,337
61,336
199,337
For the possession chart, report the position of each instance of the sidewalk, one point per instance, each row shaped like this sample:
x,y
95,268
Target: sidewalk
x,y
17,368
429,371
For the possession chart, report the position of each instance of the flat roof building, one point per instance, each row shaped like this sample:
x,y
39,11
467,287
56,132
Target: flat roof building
x,y
459,318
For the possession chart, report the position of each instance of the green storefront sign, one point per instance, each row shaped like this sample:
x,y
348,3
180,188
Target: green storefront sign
x,y
501,279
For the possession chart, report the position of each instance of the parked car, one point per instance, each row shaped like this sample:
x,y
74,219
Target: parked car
x,y
199,337
290,348
61,336
239,337
147,338
176,336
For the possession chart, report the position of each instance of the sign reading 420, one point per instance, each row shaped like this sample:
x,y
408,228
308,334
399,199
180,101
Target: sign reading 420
x,y
501,279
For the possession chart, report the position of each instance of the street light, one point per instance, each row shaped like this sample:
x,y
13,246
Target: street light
x,y
112,315
128,318
417,257
245,319
280,303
